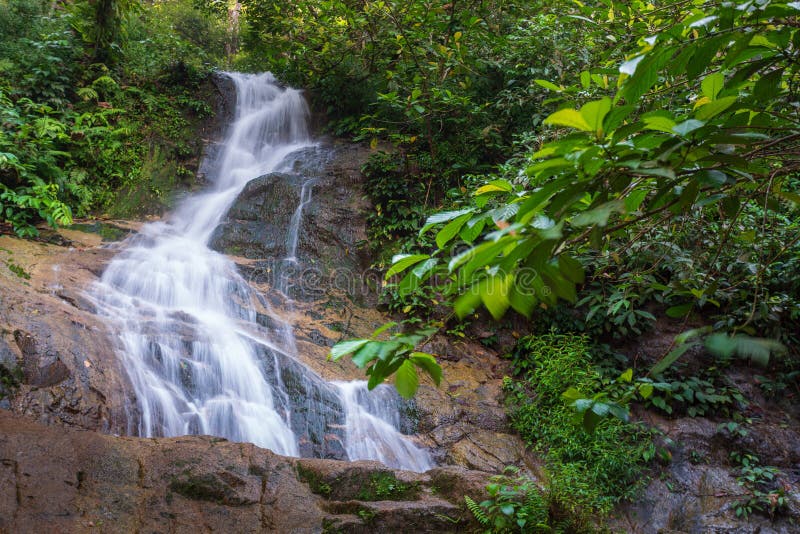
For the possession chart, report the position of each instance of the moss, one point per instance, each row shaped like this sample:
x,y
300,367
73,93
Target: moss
x,y
366,515
206,487
329,526
314,481
10,380
108,232
385,486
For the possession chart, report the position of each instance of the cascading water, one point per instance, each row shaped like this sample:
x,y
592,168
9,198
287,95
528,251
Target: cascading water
x,y
189,335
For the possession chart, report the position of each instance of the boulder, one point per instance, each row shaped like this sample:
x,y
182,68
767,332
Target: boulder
x,y
61,480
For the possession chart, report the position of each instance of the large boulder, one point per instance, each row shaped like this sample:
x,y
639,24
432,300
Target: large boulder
x,y
255,225
330,231
60,480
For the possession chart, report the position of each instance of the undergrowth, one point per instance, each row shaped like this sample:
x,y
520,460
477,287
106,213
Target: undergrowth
x,y
586,473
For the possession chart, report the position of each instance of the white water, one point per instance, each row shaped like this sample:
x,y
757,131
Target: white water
x,y
371,428
185,316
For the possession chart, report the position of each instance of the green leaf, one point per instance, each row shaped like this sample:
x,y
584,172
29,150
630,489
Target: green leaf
x,y
346,347
627,376
645,390
383,328
590,420
571,269
366,354
467,303
586,79
470,233
620,412
634,199
714,108
439,218
670,358
756,349
424,268
679,310
495,186
712,85
659,123
768,86
549,85
401,262
428,363
688,126
571,395
451,230
599,215
594,113
406,380
569,117
494,294
523,300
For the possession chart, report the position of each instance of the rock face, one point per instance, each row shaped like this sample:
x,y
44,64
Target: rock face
x,y
697,491
51,340
332,227
58,480
255,226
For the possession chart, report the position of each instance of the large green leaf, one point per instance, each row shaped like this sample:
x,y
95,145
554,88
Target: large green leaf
x,y
451,229
346,347
439,218
428,363
599,215
671,357
494,294
712,109
594,112
401,262
569,117
406,380
712,85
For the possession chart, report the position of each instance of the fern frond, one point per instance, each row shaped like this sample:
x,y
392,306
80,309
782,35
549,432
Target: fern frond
x,y
477,511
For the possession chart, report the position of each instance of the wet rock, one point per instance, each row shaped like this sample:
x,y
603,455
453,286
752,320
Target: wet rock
x,y
70,373
41,370
8,359
255,226
316,413
697,491
332,230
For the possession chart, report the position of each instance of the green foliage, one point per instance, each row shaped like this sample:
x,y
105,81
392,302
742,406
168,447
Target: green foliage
x,y
449,85
698,395
395,196
10,380
515,504
314,480
397,355
385,487
764,493
100,23
366,515
677,136
73,133
587,472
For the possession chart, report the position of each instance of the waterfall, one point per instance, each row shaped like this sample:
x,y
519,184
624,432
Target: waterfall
x,y
188,333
